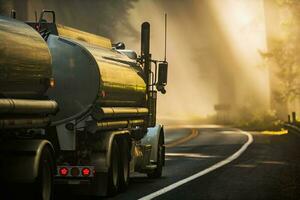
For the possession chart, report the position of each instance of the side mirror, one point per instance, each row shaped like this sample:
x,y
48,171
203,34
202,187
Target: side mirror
x,y
162,77
162,73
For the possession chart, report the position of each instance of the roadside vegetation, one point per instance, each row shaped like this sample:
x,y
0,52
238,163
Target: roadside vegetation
x,y
283,59
257,120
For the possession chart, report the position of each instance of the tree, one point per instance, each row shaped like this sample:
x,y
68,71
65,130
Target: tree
x,y
284,54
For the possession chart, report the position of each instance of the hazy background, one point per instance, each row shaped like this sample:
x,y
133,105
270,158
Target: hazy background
x,y
213,54
222,62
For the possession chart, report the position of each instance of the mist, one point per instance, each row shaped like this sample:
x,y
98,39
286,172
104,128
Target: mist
x,y
213,54
212,48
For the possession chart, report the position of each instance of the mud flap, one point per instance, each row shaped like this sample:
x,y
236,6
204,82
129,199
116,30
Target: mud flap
x,y
20,160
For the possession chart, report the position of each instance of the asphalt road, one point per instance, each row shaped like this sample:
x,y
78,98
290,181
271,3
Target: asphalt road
x,y
211,162
189,151
268,169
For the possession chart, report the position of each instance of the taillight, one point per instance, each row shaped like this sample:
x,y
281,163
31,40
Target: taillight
x,y
75,171
86,171
63,171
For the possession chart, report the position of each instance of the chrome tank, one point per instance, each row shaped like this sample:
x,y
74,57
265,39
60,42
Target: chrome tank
x,y
88,75
25,61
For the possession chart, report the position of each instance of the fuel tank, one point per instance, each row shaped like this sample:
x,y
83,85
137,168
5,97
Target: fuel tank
x,y
89,73
25,61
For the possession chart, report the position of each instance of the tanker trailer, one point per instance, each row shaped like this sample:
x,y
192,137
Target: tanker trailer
x,y
106,127
26,153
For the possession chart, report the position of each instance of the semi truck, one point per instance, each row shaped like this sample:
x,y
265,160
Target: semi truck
x,y
76,111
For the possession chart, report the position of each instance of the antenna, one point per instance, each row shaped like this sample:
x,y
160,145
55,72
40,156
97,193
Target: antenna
x,y
166,21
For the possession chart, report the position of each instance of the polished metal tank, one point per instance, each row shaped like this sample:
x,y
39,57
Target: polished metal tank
x,y
90,74
25,61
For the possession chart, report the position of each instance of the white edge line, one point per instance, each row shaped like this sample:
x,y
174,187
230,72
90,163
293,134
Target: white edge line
x,y
203,172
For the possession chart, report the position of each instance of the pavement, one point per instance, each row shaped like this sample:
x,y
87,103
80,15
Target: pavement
x,y
268,169
215,162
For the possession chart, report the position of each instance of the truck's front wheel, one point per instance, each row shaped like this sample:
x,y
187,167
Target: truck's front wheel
x,y
157,172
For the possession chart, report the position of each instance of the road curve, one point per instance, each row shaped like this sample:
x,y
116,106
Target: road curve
x,y
191,152
204,171
268,169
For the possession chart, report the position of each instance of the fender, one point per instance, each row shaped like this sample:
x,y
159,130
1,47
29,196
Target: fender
x,y
101,159
20,159
152,138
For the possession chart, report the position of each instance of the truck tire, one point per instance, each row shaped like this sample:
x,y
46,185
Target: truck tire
x,y
124,168
113,181
44,182
157,172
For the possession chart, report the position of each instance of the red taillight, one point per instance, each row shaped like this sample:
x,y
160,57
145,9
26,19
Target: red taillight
x,y
86,171
63,171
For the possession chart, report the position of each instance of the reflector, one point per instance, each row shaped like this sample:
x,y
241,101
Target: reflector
x,y
63,171
52,82
86,171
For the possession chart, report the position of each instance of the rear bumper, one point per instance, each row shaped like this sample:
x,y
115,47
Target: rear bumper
x,y
94,186
72,181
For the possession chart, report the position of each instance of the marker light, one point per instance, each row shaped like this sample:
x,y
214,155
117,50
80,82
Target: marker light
x,y
86,171
63,171
52,82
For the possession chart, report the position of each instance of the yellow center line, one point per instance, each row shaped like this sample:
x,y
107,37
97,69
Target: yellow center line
x,y
182,140
281,132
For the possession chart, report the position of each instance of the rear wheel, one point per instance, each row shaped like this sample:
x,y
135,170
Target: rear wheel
x,y
113,171
157,172
44,181
42,188
124,164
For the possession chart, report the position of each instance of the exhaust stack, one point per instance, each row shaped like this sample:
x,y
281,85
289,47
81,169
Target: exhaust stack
x,y
145,52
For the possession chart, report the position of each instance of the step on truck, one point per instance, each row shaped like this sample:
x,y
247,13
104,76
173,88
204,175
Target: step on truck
x,y
76,111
